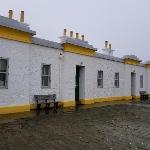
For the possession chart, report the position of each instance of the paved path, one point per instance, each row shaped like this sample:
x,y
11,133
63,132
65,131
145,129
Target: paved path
x,y
116,127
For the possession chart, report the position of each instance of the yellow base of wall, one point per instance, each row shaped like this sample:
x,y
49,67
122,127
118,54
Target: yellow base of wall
x,y
70,103
34,106
96,100
108,99
14,109
66,103
136,98
87,101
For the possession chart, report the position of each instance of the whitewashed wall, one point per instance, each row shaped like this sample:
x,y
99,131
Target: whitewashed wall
x,y
69,72
148,80
18,79
38,56
92,65
24,79
109,68
138,71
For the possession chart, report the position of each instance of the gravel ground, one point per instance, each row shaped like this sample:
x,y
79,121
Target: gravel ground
x,y
114,127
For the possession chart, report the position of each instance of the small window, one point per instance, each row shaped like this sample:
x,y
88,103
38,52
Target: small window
x,y
100,79
117,80
141,81
46,78
3,73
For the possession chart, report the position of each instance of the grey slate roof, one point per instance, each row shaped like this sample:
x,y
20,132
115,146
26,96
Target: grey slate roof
x,y
107,57
116,59
142,65
51,44
147,62
46,43
133,57
77,42
11,23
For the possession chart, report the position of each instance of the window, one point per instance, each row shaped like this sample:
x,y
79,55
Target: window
x,y
100,79
3,73
141,81
117,80
46,78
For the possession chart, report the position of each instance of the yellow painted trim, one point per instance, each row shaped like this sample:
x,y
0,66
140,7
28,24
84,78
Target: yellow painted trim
x,y
109,99
78,50
33,106
14,109
147,66
136,97
70,103
65,103
16,35
131,62
87,101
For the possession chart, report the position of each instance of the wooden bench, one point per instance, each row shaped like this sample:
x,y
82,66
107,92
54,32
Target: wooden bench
x,y
47,100
144,96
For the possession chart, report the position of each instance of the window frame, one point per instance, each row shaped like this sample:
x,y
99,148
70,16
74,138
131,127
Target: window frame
x,y
100,78
141,81
116,80
49,76
6,73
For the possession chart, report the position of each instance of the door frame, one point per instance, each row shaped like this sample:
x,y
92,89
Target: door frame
x,y
79,83
133,85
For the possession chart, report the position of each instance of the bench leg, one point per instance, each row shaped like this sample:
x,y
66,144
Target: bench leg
x,y
55,105
38,106
142,97
47,105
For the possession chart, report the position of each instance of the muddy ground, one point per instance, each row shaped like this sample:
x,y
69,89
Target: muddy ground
x,y
116,127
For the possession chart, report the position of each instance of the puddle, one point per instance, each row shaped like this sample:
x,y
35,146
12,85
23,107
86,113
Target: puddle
x,y
103,126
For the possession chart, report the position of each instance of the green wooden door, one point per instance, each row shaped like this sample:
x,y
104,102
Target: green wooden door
x,y
77,80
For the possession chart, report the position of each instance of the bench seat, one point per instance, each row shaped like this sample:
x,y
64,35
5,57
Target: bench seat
x,y
46,99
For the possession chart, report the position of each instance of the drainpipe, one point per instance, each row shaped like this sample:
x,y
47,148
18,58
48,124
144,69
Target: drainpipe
x,y
60,74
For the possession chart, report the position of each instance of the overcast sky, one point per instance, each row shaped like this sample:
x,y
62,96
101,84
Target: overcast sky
x,y
125,23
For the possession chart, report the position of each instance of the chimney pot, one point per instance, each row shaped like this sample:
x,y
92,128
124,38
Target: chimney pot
x,y
106,44
77,35
65,32
71,34
109,46
10,14
82,37
22,16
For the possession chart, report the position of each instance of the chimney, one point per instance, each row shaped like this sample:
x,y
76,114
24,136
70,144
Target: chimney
x,y
106,44
71,34
65,32
82,37
109,46
10,14
108,49
22,16
77,35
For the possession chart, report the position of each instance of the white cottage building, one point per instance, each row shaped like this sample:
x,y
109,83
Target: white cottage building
x,y
71,69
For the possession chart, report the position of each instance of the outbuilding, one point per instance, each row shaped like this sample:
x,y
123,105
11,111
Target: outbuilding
x,y
72,69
